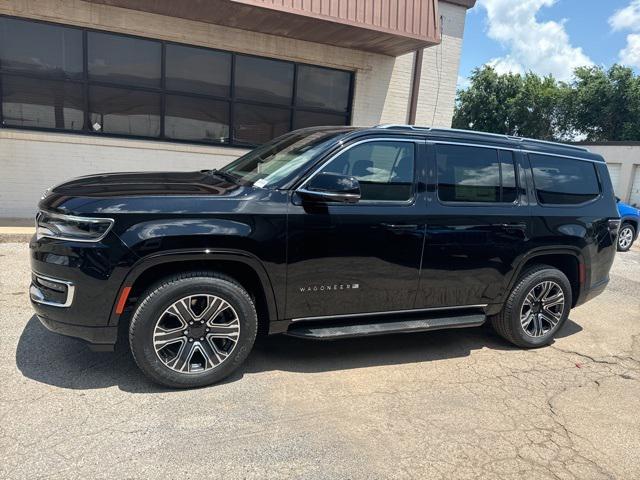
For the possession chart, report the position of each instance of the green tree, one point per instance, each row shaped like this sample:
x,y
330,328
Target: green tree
x,y
487,104
601,105
604,105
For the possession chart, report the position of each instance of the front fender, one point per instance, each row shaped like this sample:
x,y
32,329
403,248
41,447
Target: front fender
x,y
203,255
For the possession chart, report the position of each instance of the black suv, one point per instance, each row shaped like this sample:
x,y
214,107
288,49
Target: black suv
x,y
326,233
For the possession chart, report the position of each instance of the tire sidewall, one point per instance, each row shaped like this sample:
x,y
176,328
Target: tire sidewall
x,y
159,298
524,287
633,234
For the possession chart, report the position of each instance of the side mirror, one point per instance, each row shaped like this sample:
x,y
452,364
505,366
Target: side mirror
x,y
331,187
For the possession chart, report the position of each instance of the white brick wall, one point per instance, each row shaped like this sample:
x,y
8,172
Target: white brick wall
x,y
31,162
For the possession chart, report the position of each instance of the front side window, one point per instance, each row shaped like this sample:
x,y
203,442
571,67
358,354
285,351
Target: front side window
x,y
474,174
385,169
564,181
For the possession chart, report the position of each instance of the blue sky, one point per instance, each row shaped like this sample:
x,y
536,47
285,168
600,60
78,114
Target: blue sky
x,y
551,36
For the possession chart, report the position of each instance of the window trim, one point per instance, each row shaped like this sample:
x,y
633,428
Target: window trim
x,y
516,168
563,205
231,99
368,203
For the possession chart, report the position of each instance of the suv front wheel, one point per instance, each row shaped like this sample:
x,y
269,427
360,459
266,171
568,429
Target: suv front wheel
x,y
536,309
193,329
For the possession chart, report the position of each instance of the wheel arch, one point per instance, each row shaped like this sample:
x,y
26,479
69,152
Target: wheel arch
x,y
241,266
568,260
633,221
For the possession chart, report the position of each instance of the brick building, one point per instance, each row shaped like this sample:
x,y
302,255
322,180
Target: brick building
x,y
111,85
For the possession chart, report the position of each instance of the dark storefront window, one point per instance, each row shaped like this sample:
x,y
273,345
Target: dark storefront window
x,y
56,77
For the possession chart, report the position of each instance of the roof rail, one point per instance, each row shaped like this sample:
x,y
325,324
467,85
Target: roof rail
x,y
488,134
400,126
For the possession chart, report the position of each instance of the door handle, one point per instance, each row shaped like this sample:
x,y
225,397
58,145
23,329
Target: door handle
x,y
513,226
402,226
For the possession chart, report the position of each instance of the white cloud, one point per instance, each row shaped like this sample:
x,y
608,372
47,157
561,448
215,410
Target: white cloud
x,y
541,47
628,18
630,55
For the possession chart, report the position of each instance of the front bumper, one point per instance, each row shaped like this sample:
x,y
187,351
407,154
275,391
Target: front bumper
x,y
98,338
75,285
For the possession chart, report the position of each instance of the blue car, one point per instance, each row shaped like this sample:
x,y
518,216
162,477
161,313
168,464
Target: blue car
x,y
630,217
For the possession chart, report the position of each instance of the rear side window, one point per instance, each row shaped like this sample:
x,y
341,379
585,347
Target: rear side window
x,y
474,174
564,181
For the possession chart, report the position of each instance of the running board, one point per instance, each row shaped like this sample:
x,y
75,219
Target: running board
x,y
370,327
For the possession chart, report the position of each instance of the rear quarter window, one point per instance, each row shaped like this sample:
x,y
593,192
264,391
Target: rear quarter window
x,y
564,181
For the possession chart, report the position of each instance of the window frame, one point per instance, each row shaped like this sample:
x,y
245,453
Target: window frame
x,y
231,99
369,203
497,149
561,158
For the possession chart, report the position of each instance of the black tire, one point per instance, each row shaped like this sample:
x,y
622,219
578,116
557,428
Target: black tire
x,y
508,324
161,296
622,234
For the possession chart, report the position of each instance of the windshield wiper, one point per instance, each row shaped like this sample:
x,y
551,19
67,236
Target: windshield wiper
x,y
224,175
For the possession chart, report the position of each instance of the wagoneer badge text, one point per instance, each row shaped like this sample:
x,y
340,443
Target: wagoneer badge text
x,y
328,288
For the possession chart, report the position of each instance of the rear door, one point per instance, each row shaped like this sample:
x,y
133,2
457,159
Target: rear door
x,y
365,257
477,225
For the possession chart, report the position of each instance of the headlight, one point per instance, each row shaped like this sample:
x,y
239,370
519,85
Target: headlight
x,y
67,227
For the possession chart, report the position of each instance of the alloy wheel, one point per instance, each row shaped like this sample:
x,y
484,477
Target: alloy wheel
x,y
196,333
625,238
542,308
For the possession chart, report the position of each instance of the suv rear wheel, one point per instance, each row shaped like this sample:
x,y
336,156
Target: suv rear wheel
x,y
193,329
625,237
536,309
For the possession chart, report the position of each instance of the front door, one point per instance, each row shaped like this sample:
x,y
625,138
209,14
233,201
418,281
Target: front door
x,y
364,257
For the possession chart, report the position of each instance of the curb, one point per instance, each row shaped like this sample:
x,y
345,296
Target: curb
x,y
15,237
16,234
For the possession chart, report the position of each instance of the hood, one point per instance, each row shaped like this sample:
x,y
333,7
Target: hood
x,y
148,192
146,183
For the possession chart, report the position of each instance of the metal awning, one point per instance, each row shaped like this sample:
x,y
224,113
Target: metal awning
x,y
391,27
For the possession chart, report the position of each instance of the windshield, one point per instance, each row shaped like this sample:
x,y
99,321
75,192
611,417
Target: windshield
x,y
280,158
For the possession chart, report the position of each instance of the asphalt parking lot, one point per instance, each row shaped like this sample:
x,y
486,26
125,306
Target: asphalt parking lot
x,y
443,405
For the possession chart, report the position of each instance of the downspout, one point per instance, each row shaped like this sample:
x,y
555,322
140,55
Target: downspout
x,y
415,85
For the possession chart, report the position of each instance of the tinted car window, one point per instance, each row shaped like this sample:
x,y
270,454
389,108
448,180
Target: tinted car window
x,y
198,70
508,172
126,60
40,48
472,174
384,169
564,180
